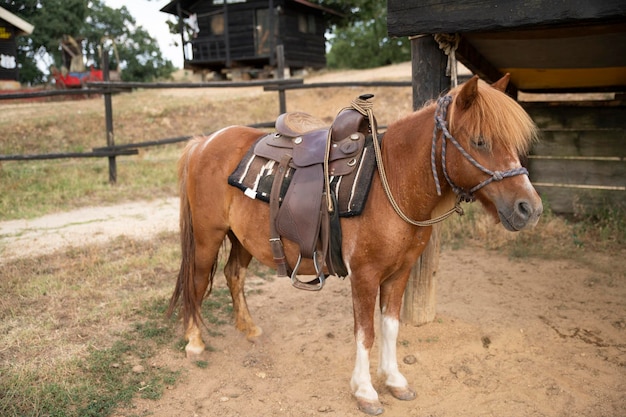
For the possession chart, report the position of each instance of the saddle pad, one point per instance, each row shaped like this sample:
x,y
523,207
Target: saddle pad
x,y
254,176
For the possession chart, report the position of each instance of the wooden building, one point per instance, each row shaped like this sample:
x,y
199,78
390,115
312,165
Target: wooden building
x,y
563,47
548,47
228,34
11,27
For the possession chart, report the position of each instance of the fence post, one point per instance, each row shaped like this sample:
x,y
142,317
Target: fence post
x,y
108,116
280,69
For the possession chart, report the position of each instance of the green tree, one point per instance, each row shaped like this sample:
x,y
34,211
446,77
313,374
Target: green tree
x,y
94,24
359,39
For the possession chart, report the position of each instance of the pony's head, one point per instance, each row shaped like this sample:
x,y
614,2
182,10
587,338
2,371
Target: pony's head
x,y
492,131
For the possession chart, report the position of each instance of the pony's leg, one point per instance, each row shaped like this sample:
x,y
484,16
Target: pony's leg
x,y
235,272
364,303
391,292
204,269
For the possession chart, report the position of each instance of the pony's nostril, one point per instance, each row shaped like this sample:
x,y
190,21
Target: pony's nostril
x,y
524,208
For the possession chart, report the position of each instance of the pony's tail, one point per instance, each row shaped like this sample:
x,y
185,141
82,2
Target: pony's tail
x,y
185,289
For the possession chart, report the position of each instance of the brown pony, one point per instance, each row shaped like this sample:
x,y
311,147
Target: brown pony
x,y
486,131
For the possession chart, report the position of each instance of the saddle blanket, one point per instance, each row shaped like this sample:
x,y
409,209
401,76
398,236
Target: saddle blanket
x,y
254,176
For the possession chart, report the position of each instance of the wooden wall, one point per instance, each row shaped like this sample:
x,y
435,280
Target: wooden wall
x,y
302,48
579,166
8,52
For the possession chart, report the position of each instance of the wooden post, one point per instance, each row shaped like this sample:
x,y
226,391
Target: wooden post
x,y
108,116
429,80
280,74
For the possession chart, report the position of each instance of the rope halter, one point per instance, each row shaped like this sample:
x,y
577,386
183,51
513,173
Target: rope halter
x,y
441,125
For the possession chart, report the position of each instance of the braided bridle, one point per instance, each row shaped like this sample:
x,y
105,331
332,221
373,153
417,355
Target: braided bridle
x,y
441,124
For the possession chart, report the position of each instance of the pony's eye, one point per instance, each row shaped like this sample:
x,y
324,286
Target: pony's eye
x,y
479,142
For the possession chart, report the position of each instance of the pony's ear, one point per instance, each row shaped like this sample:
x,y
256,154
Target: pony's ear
x,y
502,83
468,93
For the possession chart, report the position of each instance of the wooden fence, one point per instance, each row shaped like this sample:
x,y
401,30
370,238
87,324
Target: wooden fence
x,y
108,88
578,166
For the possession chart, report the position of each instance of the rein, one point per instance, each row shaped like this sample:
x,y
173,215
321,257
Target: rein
x,y
365,108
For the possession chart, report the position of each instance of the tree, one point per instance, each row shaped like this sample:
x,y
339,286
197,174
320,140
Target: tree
x,y
359,39
95,25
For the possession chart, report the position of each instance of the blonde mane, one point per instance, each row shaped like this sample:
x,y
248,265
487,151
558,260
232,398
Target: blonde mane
x,y
497,117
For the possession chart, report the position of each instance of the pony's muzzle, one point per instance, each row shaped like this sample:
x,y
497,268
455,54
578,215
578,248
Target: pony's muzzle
x,y
524,214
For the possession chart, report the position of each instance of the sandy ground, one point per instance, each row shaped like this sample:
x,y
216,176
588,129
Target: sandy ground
x,y
511,338
527,337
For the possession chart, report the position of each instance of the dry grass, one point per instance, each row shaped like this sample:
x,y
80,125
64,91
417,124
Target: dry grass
x,y
29,189
55,307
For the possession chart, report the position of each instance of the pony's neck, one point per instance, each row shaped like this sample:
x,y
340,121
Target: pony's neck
x,y
406,155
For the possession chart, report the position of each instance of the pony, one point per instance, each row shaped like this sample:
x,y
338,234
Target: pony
x,y
467,145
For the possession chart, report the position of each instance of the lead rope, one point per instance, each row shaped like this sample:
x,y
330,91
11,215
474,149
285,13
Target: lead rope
x,y
365,108
448,43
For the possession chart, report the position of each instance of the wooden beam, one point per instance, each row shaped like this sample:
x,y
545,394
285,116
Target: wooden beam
x,y
409,17
429,80
429,70
475,62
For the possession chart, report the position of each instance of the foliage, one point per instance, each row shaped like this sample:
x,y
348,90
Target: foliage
x,y
359,39
95,24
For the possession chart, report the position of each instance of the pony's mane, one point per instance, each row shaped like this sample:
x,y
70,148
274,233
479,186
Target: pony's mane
x,y
497,117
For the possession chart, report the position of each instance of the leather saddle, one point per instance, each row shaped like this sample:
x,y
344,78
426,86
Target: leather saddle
x,y
311,154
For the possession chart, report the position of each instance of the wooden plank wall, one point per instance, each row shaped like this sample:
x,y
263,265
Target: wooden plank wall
x,y
579,165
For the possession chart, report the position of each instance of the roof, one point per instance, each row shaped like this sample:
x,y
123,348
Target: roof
x,y
185,4
22,25
546,45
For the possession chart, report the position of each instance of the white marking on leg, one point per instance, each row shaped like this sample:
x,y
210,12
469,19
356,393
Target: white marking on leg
x,y
195,346
388,364
361,382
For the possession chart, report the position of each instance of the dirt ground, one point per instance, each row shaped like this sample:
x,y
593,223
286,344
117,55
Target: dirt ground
x,y
511,337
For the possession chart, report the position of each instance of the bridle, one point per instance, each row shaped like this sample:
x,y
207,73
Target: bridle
x,y
365,108
441,124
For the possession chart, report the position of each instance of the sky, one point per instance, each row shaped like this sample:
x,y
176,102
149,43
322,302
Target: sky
x,y
147,14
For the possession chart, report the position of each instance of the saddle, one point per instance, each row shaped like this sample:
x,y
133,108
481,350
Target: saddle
x,y
307,215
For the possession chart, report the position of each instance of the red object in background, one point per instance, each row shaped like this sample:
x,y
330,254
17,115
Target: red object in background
x,y
76,79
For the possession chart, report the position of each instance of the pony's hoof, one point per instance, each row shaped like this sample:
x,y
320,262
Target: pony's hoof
x,y
254,333
373,408
194,353
403,393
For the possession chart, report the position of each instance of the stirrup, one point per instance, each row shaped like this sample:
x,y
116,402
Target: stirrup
x,y
313,285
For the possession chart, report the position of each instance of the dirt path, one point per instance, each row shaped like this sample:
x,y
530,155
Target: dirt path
x,y
87,225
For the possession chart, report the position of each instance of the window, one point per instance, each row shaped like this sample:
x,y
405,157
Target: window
x,y
306,23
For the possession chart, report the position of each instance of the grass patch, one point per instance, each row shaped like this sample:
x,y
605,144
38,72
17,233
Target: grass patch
x,y
82,329
35,188
555,237
97,384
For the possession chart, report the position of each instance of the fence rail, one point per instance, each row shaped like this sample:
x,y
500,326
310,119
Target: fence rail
x,y
107,88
